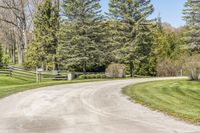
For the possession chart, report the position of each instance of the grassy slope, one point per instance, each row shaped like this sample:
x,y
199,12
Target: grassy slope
x,y
10,85
177,98
5,80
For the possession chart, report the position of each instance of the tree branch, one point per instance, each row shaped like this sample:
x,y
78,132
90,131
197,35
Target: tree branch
x,y
10,22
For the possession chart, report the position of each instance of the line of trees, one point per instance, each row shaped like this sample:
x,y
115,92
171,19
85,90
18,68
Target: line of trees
x,y
75,35
192,37
15,26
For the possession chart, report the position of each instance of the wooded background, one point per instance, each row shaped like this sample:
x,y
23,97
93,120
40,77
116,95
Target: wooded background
x,y
74,35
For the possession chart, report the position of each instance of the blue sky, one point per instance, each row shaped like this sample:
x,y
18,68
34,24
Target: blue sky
x,y
170,10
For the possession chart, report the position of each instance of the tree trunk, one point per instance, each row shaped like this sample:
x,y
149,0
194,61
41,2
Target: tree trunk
x,y
131,69
84,67
25,38
23,24
55,63
20,55
12,54
13,49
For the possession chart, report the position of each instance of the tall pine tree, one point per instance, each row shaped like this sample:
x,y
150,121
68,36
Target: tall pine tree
x,y
81,42
42,51
132,34
192,18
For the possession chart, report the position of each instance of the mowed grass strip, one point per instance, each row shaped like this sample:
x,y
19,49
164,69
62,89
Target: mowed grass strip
x,y
179,98
11,85
6,80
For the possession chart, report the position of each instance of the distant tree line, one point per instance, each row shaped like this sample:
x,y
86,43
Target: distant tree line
x,y
75,35
192,37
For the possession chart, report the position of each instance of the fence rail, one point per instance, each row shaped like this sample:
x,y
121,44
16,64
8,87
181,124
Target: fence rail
x,y
39,76
33,75
5,72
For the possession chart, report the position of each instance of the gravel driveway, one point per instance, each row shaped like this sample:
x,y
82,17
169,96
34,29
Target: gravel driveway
x,y
97,107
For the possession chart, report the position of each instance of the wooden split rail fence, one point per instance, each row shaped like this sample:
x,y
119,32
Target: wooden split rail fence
x,y
37,76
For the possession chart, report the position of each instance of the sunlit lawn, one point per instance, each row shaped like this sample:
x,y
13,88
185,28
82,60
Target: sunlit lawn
x,y
177,98
11,85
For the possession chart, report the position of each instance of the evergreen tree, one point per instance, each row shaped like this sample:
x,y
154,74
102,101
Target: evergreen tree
x,y
42,51
167,47
153,59
81,36
192,17
132,34
160,41
143,64
168,42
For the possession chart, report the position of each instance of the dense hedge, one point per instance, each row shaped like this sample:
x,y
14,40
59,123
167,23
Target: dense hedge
x,y
92,76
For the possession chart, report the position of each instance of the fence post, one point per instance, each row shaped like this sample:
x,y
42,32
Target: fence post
x,y
71,75
39,75
10,72
181,72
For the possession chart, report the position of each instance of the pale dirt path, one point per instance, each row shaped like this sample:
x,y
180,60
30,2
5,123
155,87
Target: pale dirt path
x,y
84,108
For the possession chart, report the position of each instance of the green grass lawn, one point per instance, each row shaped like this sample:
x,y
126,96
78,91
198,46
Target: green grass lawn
x,y
177,98
9,85
6,80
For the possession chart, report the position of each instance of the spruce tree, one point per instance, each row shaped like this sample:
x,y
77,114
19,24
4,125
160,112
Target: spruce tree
x,y
167,46
80,46
143,64
42,51
192,17
132,34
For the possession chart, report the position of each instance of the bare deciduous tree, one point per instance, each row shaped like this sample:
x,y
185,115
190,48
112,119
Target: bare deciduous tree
x,y
16,17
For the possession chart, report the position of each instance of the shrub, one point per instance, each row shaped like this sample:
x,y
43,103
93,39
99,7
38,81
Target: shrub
x,y
116,71
82,77
6,59
88,76
167,67
92,76
98,76
103,76
192,64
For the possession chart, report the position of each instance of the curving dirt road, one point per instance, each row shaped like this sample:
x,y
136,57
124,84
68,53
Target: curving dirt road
x,y
84,108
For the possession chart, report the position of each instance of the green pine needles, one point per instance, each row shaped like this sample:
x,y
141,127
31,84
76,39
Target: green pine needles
x,y
192,18
86,40
133,34
81,36
42,50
